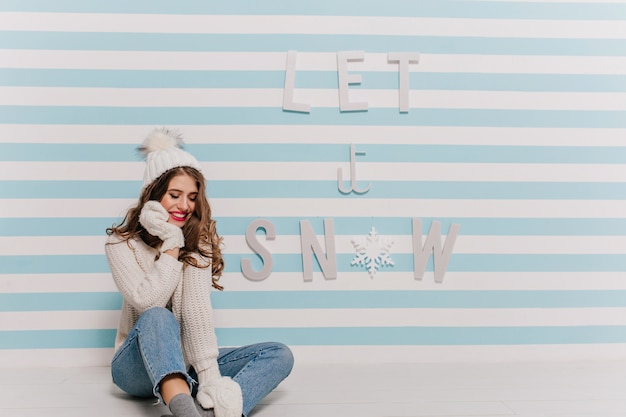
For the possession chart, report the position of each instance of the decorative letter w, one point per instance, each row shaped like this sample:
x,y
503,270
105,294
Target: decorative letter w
x,y
432,244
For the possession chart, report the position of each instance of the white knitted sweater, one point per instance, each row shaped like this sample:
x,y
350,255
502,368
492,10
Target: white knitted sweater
x,y
145,283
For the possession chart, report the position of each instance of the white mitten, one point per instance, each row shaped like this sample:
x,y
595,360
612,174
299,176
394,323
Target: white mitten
x,y
223,395
153,218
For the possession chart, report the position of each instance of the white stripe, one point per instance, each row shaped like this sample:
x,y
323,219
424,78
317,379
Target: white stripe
x,y
346,355
326,25
400,317
149,60
303,207
307,61
290,244
310,318
65,208
323,171
45,358
52,245
72,171
384,280
364,355
320,98
42,283
59,320
438,135
518,64
402,171
419,208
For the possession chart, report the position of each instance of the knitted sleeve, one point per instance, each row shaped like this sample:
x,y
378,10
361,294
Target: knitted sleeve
x,y
143,282
197,327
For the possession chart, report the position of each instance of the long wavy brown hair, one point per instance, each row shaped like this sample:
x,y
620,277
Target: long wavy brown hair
x,y
200,231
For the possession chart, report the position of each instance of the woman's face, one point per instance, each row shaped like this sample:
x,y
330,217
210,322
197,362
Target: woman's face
x,y
180,199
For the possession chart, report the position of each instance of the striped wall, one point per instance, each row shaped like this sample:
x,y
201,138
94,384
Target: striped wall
x,y
515,132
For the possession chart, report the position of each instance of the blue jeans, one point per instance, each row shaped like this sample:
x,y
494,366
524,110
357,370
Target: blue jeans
x,y
153,350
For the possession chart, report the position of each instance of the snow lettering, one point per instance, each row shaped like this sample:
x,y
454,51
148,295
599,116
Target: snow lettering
x,y
371,252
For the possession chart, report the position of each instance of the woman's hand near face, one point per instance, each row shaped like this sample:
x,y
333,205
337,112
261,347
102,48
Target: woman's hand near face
x,y
154,218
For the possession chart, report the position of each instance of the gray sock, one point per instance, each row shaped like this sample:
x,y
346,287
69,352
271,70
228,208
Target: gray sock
x,y
183,405
204,412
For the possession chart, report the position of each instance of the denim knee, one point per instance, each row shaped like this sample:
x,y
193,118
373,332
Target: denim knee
x,y
156,317
282,356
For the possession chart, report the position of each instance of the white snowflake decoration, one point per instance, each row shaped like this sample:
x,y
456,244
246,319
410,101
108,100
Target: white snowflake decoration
x,y
372,252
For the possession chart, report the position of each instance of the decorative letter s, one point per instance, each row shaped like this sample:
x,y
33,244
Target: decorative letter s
x,y
253,243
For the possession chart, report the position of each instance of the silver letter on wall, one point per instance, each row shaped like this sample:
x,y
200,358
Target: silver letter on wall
x,y
255,245
310,246
290,81
404,59
432,244
353,188
345,79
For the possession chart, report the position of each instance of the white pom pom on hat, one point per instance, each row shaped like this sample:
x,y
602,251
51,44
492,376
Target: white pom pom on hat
x,y
163,151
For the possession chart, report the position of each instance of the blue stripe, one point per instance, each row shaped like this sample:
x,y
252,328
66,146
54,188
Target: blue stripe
x,y
418,299
354,299
271,152
400,8
469,190
426,336
52,264
59,264
392,153
82,115
177,42
355,226
163,79
77,152
337,336
57,339
30,77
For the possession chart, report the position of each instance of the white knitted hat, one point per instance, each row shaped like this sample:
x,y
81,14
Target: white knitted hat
x,y
163,151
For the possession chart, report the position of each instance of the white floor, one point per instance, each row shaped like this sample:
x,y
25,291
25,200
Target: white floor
x,y
589,389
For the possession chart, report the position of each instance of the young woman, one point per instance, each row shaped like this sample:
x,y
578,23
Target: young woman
x,y
165,257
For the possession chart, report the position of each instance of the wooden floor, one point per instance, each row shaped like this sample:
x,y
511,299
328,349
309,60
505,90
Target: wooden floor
x,y
589,389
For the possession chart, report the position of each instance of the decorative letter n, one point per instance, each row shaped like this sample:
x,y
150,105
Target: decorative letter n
x,y
310,246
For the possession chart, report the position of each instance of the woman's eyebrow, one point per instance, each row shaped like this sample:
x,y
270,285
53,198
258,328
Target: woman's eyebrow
x,y
180,191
